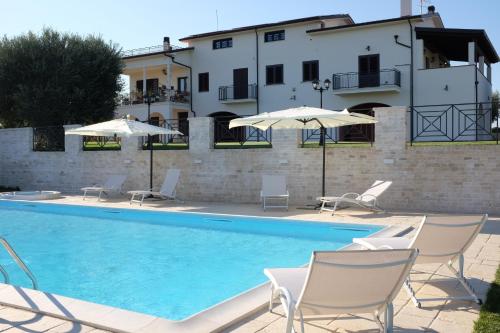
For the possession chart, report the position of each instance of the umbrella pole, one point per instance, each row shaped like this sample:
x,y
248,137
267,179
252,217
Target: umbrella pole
x,y
150,163
324,160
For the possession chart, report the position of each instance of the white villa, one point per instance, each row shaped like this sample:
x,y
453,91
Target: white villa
x,y
443,74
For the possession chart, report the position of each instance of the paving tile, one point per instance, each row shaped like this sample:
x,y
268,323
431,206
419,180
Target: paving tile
x,y
70,327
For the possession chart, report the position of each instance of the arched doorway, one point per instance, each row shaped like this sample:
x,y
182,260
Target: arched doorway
x,y
222,133
360,133
157,119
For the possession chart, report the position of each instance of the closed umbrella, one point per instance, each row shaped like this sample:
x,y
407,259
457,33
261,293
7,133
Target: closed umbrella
x,y
304,118
127,128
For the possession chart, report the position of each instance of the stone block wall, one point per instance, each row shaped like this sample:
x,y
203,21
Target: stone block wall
x,y
447,178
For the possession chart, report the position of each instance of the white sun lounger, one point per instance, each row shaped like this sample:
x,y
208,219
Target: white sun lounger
x,y
342,282
367,199
113,184
439,239
274,188
167,190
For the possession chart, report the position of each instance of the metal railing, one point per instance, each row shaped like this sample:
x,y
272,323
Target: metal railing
x,y
353,134
385,77
20,263
235,93
170,141
50,138
239,137
454,122
157,96
149,49
100,143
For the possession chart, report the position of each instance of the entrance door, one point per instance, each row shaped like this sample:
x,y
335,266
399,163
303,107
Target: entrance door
x,y
155,121
183,122
240,83
369,70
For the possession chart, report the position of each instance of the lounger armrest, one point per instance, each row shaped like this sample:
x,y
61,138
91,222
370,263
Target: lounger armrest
x,y
370,197
288,299
352,194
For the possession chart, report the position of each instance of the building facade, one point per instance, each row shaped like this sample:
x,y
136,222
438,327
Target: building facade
x,y
411,60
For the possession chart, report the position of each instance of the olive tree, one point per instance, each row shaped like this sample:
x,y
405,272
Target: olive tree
x,y
56,78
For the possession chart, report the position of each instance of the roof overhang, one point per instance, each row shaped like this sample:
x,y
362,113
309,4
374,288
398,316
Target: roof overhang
x,y
395,20
268,25
453,43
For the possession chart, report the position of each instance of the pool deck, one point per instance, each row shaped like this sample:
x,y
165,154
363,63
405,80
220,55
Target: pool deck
x,y
481,262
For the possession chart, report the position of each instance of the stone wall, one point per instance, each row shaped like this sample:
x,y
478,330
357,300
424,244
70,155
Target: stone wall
x,y
461,178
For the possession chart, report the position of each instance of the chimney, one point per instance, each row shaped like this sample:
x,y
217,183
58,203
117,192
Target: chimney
x,y
166,44
431,10
406,8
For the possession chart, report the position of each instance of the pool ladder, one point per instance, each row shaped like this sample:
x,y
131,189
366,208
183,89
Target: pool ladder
x,y
19,263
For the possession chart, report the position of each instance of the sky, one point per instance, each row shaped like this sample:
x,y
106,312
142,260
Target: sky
x,y
136,24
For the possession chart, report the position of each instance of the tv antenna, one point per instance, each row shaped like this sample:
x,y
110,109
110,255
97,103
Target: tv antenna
x,y
217,19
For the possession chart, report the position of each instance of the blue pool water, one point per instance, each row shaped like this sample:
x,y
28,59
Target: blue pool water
x,y
171,265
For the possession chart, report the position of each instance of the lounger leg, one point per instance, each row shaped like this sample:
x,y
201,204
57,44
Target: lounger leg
x,y
84,194
460,277
335,207
142,199
289,321
302,328
322,208
271,303
389,315
264,203
99,197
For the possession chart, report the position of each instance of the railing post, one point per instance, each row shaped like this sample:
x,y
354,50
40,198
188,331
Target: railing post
x,y
453,123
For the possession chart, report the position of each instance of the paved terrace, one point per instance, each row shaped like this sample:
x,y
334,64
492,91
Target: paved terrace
x,y
481,262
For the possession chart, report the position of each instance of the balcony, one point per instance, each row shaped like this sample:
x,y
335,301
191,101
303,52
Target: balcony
x,y
149,50
158,96
385,80
236,94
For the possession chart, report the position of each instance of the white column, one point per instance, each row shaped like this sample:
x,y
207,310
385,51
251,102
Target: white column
x,y
481,64
169,92
144,78
419,54
472,53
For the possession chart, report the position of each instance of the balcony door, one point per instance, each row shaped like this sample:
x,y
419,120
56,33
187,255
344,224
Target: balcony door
x,y
369,70
240,83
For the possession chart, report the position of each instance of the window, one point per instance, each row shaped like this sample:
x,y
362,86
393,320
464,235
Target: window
x,y
182,84
222,43
203,84
274,74
310,70
273,36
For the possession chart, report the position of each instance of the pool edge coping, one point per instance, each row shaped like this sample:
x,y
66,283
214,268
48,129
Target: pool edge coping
x,y
213,319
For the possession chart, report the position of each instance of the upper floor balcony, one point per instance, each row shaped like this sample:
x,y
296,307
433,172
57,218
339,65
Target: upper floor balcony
x,y
238,94
159,95
385,80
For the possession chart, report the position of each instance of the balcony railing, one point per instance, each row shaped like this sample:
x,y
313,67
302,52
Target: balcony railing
x,y
149,50
235,93
239,137
159,95
455,122
49,138
170,141
385,77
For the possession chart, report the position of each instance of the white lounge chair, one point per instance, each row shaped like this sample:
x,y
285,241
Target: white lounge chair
x,y
113,184
167,190
439,239
342,282
367,199
274,188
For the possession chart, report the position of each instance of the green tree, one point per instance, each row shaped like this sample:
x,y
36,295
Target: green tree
x,y
495,104
57,78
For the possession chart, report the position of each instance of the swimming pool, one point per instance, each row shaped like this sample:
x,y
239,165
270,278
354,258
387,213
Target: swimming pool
x,y
166,264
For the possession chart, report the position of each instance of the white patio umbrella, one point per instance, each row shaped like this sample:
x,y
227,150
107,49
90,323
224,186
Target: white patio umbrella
x,y
127,128
304,118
